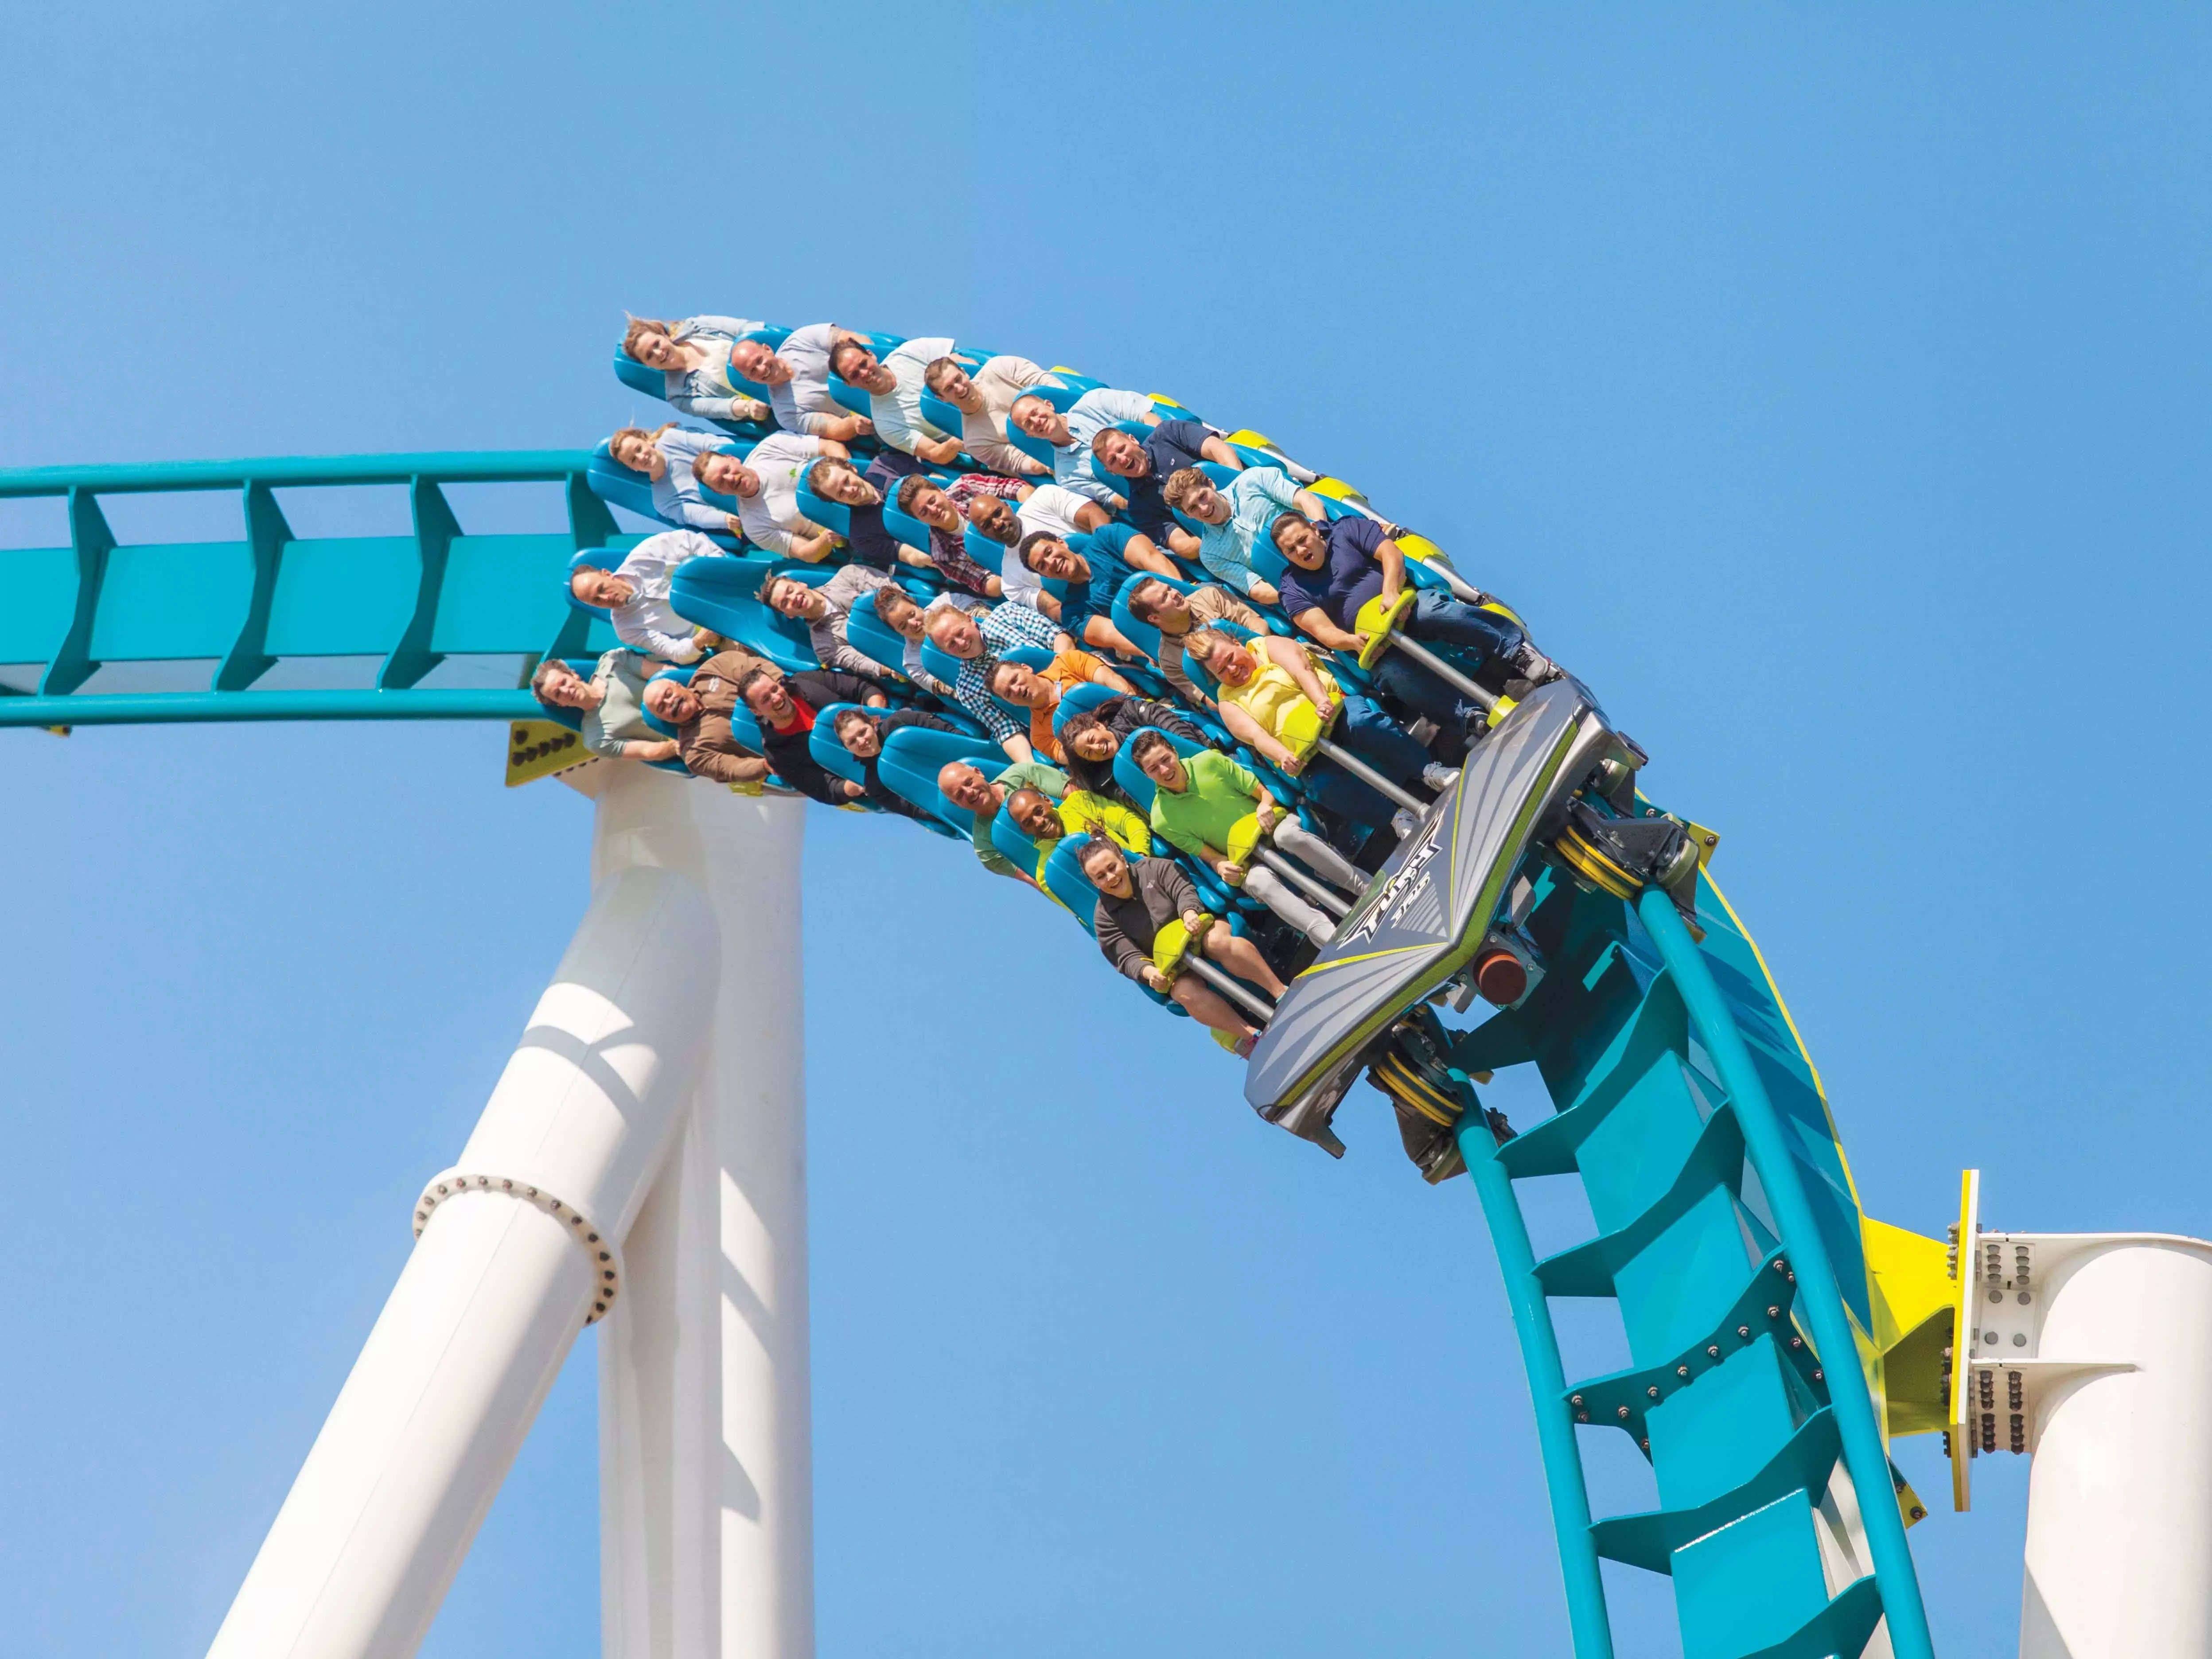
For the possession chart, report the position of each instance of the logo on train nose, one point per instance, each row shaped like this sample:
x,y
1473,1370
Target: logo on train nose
x,y
1398,895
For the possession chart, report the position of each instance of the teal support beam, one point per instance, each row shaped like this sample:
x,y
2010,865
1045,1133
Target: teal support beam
x,y
1819,1298
187,708
404,604
91,541
1587,1620
266,533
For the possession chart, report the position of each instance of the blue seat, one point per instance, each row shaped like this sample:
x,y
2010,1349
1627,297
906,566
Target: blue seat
x,y
912,759
1064,881
905,528
991,554
632,491
833,516
724,595
637,377
1078,700
868,633
1015,845
945,417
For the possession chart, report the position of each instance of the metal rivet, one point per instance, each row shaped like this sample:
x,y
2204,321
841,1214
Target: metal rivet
x,y
442,1186
594,1238
1681,1370
1574,1400
2019,1338
1919,1514
1713,1350
1582,1417
1781,1266
1653,1392
2024,1298
1646,1444
608,1273
1997,1295
1774,1313
1797,1342
1817,1376
604,1256
1743,1330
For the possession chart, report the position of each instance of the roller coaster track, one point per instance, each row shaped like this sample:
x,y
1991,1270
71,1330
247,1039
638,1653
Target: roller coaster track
x,y
1729,1234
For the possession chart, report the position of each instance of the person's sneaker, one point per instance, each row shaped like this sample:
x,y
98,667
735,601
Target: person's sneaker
x,y
1439,778
1531,665
1403,822
1322,932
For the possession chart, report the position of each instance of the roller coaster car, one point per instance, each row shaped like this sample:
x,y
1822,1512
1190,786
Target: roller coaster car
x,y
1552,780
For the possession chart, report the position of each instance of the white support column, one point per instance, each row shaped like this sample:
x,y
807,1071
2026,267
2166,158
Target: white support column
x,y
706,1474
2108,1339
514,1256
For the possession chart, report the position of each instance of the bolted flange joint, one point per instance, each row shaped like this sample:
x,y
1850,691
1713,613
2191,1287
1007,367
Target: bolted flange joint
x,y
602,1253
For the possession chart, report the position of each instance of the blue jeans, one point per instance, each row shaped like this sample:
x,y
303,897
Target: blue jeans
x,y
1375,737
1439,619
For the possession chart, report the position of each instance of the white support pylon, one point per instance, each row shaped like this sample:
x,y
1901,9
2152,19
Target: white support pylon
x,y
689,951
706,1484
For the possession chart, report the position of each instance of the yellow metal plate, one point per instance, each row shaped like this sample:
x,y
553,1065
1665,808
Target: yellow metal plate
x,y
539,748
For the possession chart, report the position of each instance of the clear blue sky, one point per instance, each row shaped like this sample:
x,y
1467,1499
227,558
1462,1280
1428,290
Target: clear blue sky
x,y
1831,392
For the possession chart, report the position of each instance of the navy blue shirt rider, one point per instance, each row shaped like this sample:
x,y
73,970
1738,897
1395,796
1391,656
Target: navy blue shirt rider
x,y
1172,445
1347,579
1101,549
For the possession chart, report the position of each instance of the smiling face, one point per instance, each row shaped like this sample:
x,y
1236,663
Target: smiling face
x,y
1106,869
1120,454
1228,662
561,686
637,451
601,588
955,387
857,364
934,508
770,703
788,597
676,704
1299,542
1039,419
725,475
1095,743
859,735
755,361
966,788
955,632
842,485
1031,810
1058,560
1208,504
896,610
656,351
1167,607
992,516
1163,766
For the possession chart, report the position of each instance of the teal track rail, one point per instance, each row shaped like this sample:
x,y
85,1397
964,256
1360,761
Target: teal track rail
x,y
241,606
1729,1237
1728,1230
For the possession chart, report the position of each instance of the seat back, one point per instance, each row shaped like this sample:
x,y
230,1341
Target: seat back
x,y
991,554
945,417
874,639
1064,881
636,376
833,516
909,530
912,759
1014,844
724,595
1078,700
618,485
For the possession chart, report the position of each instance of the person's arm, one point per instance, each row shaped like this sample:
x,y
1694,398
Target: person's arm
x,y
1216,450
1017,745
1119,948
1392,558
812,544
1177,889
1308,504
1248,731
1040,601
1290,657
1141,551
1100,633
709,751
1315,621
1184,545
633,627
1151,712
1170,662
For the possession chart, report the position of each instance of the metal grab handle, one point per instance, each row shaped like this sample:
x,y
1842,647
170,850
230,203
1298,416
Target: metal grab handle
x,y
1444,670
1232,988
1368,776
1326,896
